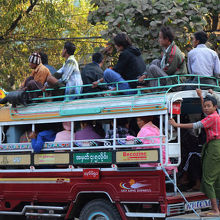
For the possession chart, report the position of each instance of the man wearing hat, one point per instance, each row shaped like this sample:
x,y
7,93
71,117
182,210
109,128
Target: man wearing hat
x,y
34,82
39,74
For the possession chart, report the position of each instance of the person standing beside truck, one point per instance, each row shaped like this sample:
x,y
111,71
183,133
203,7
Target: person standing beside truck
x,y
210,153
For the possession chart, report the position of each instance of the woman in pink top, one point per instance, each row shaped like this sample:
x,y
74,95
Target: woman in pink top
x,y
148,129
64,135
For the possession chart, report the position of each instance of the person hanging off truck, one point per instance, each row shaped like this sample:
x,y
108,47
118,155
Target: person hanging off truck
x,y
211,152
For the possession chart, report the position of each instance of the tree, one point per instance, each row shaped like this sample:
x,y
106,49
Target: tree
x,y
142,19
42,25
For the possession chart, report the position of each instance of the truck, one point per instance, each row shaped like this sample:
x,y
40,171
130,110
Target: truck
x,y
97,178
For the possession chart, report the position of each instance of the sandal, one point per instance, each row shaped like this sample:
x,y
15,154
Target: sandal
x,y
209,214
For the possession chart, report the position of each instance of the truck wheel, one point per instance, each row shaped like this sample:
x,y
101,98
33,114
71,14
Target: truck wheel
x,y
99,209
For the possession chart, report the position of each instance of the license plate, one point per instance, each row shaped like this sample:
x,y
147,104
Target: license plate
x,y
198,205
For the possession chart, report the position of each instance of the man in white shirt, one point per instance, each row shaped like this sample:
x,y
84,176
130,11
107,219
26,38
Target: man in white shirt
x,y
203,61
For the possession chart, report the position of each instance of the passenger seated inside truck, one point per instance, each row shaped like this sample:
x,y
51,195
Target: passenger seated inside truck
x,y
192,173
122,131
64,135
43,133
148,129
13,133
38,139
24,138
89,130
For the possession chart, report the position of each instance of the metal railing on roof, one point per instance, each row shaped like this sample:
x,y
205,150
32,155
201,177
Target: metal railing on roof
x,y
97,100
173,81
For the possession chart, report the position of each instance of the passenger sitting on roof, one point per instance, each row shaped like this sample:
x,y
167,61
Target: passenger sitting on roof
x,y
152,134
93,72
44,59
129,66
69,75
38,77
202,61
171,63
89,131
34,82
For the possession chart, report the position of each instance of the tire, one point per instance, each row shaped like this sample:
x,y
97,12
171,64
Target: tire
x,y
99,209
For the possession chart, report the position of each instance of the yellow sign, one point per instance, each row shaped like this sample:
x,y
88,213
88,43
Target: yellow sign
x,y
2,94
34,180
18,159
137,156
58,158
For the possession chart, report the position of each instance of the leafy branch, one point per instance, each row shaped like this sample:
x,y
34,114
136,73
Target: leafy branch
x,y
20,16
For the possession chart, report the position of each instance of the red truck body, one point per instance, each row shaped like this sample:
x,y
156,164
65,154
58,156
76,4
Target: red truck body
x,y
73,189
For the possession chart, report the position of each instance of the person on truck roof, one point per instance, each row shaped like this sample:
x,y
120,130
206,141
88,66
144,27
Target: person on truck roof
x,y
93,72
129,66
44,59
34,82
69,75
39,75
202,60
171,63
210,184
